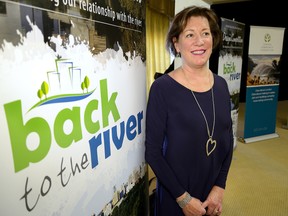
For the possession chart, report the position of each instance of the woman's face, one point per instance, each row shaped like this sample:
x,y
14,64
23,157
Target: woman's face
x,y
195,42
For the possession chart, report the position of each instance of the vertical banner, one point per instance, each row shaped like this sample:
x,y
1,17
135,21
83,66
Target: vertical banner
x,y
230,64
265,49
72,108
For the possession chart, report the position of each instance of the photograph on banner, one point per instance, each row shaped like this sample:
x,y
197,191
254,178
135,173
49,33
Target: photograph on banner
x,y
230,64
263,70
72,108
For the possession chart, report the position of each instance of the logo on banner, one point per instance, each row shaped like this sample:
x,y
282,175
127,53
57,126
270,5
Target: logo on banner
x,y
267,38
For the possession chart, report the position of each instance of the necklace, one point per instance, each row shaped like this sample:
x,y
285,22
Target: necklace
x,y
210,140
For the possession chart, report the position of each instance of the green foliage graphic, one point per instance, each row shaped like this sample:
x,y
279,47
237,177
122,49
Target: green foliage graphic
x,y
85,84
45,88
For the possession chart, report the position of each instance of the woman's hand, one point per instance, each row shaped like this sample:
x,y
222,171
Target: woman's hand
x,y
193,207
213,203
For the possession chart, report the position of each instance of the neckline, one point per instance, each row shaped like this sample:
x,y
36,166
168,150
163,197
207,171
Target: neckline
x,y
184,87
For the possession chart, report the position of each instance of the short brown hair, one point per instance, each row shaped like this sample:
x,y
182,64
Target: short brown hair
x,y
180,21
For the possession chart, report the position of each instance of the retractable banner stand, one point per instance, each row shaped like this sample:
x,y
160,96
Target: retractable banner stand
x,y
72,108
230,64
265,49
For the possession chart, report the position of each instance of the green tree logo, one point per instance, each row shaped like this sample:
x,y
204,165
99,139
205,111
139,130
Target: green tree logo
x,y
43,90
267,38
85,84
40,94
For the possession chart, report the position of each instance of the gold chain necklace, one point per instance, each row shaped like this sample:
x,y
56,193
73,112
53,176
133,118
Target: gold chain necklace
x,y
210,140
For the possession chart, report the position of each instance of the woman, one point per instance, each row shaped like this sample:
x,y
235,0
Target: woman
x,y
189,141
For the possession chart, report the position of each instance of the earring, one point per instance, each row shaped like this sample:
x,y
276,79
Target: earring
x,y
178,54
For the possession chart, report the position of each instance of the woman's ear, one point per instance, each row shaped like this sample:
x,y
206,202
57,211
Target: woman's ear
x,y
175,43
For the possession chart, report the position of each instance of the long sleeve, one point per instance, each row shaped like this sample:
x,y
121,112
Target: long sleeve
x,y
156,120
227,138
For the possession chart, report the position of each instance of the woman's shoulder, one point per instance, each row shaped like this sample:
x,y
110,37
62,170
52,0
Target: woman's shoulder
x,y
165,86
219,79
221,84
162,81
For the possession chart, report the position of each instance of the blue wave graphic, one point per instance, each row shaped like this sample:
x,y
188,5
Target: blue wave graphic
x,y
68,98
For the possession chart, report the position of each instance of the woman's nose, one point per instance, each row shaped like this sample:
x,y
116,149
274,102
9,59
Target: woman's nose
x,y
199,40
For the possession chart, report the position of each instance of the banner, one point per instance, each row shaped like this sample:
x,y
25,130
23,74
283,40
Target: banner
x,y
265,49
230,64
72,108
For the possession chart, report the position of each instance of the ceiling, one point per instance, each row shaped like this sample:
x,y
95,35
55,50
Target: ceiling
x,y
211,2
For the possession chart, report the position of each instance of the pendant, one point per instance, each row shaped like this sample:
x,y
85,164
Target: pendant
x,y
213,144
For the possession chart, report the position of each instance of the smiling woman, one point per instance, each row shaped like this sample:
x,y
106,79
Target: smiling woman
x,y
185,132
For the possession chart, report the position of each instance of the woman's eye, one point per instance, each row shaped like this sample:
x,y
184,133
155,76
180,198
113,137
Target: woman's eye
x,y
189,35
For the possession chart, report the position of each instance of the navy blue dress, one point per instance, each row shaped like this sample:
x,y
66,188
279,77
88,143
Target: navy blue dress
x,y
176,136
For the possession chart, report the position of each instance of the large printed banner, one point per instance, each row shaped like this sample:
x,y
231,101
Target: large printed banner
x,y
230,64
72,108
265,49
